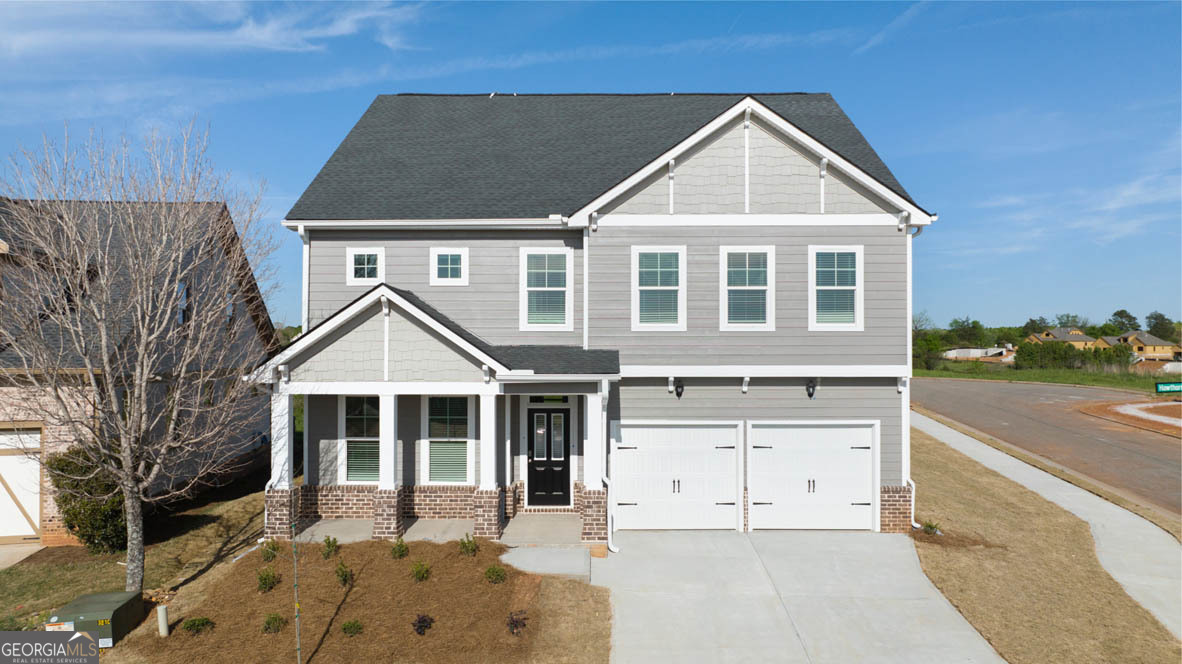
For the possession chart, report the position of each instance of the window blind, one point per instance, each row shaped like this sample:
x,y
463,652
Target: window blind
x,y
449,461
361,461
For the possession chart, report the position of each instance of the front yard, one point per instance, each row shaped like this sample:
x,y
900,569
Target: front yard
x,y
1023,570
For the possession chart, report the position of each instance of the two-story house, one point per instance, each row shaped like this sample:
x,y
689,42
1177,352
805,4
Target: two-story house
x,y
653,311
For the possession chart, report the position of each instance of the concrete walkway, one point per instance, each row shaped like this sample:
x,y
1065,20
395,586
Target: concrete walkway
x,y
11,554
779,596
1143,558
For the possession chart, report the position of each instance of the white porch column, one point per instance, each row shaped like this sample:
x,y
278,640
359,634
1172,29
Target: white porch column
x,y
488,442
594,450
281,441
387,440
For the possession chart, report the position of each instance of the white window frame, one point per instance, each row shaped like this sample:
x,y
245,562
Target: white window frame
x,y
682,287
724,324
433,276
523,323
350,252
859,289
425,441
343,445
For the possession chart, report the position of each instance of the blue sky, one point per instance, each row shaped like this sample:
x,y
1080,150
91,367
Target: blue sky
x,y
1047,136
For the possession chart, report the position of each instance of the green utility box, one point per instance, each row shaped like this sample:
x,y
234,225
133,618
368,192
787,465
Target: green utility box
x,y
107,617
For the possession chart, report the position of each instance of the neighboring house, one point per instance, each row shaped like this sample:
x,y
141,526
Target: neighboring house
x,y
1107,342
1149,347
1072,335
651,311
28,512
996,352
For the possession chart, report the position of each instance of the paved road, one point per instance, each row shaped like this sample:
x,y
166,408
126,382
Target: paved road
x,y
1045,419
1140,556
779,596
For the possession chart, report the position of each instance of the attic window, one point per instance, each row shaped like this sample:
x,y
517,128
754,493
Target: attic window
x,y
365,266
448,266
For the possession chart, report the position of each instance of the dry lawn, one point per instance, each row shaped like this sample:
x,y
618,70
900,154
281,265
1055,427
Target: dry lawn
x,y
1023,570
567,621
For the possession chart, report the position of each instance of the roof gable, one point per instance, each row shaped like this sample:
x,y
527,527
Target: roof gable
x,y
427,157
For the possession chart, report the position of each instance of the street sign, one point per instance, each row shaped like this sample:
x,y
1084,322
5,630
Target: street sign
x,y
1169,387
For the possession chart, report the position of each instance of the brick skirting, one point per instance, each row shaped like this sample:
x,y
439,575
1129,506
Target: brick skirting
x,y
488,508
895,509
593,507
277,506
335,501
425,501
388,520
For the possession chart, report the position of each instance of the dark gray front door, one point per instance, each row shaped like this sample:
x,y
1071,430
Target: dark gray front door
x,y
549,456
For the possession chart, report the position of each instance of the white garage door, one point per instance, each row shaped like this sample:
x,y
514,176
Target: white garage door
x,y
676,476
20,487
815,476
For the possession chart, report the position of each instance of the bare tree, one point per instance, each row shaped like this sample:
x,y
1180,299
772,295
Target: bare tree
x,y
129,311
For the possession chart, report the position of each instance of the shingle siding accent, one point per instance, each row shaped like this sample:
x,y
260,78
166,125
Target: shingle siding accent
x,y
783,180
709,180
651,196
844,196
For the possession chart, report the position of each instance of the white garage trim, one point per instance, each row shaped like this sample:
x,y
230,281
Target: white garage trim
x,y
20,484
875,447
617,427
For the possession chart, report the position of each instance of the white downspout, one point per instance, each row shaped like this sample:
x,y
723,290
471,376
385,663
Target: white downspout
x,y
605,388
911,482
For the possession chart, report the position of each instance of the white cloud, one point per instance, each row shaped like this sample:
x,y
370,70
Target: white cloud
x,y
898,23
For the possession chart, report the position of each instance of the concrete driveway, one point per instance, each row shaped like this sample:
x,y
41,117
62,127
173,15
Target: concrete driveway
x,y
787,596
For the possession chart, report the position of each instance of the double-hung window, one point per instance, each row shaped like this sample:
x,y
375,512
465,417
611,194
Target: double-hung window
x,y
836,289
546,300
359,459
447,440
658,289
365,266
747,288
449,266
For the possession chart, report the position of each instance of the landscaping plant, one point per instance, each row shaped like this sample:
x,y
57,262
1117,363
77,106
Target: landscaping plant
x,y
344,574
268,579
97,521
197,625
420,571
468,546
351,628
422,624
400,549
495,574
516,622
270,550
330,547
931,528
273,623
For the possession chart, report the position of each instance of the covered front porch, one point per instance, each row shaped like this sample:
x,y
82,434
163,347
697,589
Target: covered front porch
x,y
409,418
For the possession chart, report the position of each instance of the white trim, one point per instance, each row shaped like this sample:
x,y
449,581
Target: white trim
x,y
775,121
875,453
555,378
523,323
305,266
763,371
425,442
724,324
859,323
525,427
586,287
350,252
747,161
264,374
432,224
731,220
682,287
378,388
343,444
433,277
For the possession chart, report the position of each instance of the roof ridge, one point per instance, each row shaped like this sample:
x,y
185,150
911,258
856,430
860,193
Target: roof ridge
x,y
601,94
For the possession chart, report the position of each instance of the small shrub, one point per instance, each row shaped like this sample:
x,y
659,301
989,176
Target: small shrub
x,y
197,625
516,622
330,547
273,623
420,571
931,528
351,628
468,546
344,574
495,574
98,523
270,550
268,579
400,549
422,624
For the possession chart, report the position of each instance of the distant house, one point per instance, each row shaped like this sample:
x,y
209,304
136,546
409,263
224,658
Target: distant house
x,y
1072,335
1107,342
1149,347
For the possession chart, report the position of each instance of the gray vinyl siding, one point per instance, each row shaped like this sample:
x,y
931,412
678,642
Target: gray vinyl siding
x,y
322,438
772,399
488,305
883,340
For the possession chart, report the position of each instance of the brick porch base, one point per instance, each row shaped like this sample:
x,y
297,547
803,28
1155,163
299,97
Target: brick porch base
x,y
895,509
488,508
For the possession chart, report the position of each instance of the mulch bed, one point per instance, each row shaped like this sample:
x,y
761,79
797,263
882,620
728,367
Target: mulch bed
x,y
470,613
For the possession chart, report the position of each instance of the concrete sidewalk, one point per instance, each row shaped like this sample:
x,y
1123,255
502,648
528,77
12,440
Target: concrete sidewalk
x,y
11,554
1143,558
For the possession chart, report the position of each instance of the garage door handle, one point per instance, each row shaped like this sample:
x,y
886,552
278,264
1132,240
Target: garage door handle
x,y
866,504
761,447
758,503
724,503
625,447
724,447
857,447
622,504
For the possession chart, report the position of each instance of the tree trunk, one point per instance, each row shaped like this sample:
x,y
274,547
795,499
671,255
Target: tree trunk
x,y
133,511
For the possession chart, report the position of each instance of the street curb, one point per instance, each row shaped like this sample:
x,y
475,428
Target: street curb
x,y
1039,382
1129,424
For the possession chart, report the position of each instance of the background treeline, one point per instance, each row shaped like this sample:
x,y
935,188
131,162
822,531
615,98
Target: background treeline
x,y
929,342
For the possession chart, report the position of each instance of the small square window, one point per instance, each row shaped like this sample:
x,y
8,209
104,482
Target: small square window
x,y
448,266
365,266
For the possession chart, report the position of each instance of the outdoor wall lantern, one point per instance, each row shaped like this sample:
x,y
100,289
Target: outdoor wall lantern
x,y
679,389
811,388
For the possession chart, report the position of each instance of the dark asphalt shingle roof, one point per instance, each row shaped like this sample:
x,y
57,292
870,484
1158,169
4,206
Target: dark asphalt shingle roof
x,y
1148,339
529,156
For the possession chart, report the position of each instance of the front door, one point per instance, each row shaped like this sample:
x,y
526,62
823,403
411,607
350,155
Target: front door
x,y
548,480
